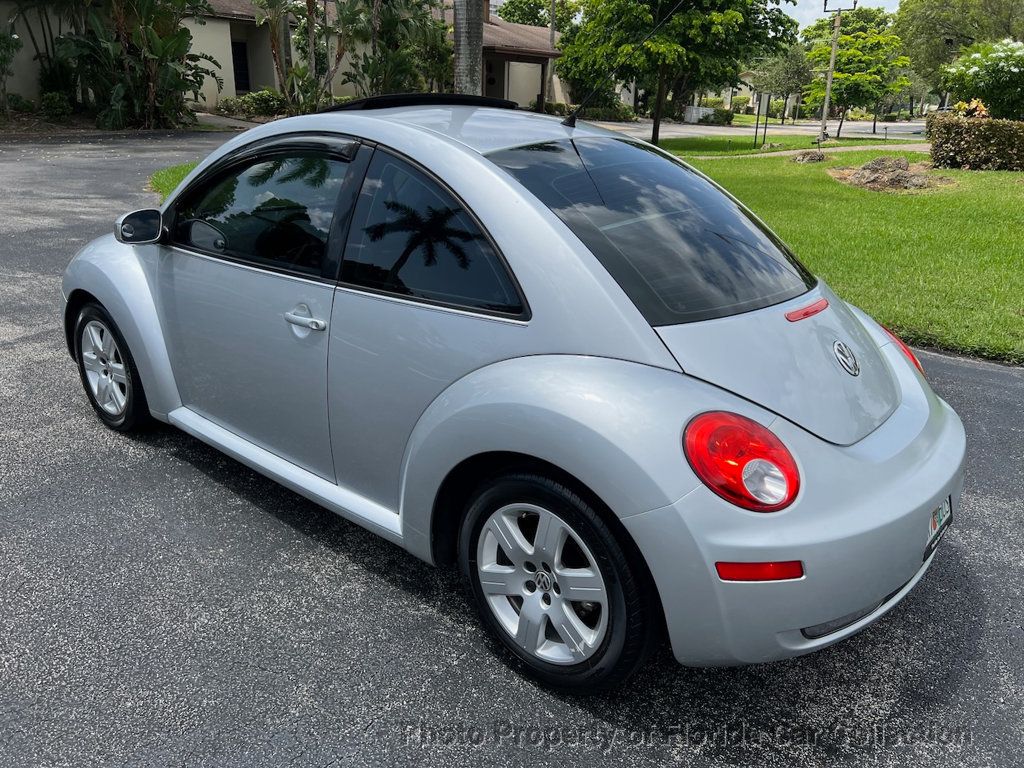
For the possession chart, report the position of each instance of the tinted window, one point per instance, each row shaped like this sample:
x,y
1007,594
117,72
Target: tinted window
x,y
411,237
680,248
275,212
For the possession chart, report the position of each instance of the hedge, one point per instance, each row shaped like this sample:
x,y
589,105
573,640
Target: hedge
x,y
979,143
718,117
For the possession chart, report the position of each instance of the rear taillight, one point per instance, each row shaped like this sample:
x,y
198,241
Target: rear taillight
x,y
741,461
904,349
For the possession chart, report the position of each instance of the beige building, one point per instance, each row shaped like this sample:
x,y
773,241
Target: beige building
x,y
516,56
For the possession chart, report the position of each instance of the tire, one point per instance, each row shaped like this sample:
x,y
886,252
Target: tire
x,y
107,369
525,595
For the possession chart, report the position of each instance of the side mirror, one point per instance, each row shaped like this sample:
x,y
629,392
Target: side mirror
x,y
139,227
206,237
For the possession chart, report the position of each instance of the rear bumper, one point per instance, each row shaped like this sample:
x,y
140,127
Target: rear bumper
x,y
860,527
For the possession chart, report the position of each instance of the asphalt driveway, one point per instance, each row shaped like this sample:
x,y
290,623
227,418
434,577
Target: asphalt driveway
x,y
161,604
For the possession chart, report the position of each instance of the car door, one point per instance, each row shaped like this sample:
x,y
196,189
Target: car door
x,y
246,288
424,298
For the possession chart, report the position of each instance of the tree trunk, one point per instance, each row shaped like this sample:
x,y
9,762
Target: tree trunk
x,y
678,100
549,81
874,119
469,45
842,117
659,105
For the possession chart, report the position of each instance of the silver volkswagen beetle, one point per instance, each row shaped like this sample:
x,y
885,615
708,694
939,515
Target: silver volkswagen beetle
x,y
556,356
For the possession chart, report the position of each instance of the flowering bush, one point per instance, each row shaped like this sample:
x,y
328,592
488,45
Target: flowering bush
x,y
974,108
994,73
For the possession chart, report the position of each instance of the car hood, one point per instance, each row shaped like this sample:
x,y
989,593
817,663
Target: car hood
x,y
792,368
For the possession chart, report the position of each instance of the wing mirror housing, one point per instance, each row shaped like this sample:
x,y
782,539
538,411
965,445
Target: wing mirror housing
x,y
139,227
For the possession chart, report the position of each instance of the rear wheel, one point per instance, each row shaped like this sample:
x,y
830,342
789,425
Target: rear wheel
x,y
553,584
108,372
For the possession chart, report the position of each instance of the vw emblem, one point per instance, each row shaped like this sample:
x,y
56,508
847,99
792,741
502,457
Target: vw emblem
x,y
543,581
846,358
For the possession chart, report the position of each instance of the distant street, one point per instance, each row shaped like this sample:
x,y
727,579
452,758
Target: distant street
x,y
642,129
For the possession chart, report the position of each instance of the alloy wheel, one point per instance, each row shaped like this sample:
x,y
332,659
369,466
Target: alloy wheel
x,y
105,370
542,584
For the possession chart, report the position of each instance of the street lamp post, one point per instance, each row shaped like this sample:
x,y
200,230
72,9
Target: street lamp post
x,y
838,20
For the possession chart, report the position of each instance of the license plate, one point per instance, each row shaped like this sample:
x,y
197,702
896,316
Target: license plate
x,y
938,522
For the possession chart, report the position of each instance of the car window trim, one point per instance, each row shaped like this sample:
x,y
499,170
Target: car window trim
x,y
336,146
523,317
304,277
431,306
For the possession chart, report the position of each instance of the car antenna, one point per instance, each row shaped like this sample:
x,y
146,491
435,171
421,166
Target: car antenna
x,y
570,121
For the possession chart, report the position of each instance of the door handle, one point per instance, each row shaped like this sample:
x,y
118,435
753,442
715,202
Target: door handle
x,y
314,324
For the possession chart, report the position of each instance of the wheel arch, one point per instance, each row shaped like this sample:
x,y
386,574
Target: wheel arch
x,y
458,488
115,277
459,485
78,299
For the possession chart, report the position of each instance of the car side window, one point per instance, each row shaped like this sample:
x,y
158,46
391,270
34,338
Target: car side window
x,y
411,237
275,211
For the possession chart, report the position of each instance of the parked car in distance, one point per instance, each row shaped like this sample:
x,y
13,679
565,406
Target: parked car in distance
x,y
553,355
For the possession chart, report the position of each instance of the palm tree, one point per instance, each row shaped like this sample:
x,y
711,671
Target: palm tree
x,y
469,46
426,232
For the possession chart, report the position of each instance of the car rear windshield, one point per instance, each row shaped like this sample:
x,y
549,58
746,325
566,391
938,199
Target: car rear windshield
x,y
681,249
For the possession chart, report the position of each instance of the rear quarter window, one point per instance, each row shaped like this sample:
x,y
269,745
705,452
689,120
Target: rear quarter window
x,y
681,249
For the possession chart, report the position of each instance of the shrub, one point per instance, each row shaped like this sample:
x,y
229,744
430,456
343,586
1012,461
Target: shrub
x,y
740,103
718,117
892,117
775,107
714,102
19,103
616,112
136,66
994,73
55,107
552,107
229,105
263,103
982,144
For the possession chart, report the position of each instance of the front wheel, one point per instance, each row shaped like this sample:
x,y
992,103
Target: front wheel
x,y
554,585
108,372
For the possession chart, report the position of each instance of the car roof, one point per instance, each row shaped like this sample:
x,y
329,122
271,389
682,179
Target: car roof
x,y
482,129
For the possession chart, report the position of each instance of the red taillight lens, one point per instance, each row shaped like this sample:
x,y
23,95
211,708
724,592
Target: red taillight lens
x,y
741,461
779,571
904,349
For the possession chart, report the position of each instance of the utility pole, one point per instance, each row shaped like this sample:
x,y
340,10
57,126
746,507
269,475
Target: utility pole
x,y
838,20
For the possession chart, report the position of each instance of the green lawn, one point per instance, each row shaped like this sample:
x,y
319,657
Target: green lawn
x,y
744,145
166,179
944,268
741,119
